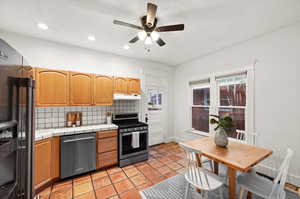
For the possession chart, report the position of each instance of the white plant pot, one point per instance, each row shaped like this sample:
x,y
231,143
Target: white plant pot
x,y
221,138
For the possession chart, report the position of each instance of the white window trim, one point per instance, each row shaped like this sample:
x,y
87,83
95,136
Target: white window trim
x,y
203,106
214,104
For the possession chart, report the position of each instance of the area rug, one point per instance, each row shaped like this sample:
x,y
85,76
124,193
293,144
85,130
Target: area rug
x,y
174,188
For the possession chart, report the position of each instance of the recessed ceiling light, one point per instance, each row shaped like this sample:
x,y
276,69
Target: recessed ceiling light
x,y
91,38
126,47
42,26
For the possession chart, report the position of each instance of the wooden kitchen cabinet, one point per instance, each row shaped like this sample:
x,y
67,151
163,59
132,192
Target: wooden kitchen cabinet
x,y
29,72
107,159
55,157
120,85
81,89
134,86
107,144
42,162
103,90
46,161
52,87
107,148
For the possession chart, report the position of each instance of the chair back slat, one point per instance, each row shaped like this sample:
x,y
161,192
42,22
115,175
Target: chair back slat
x,y
281,177
246,137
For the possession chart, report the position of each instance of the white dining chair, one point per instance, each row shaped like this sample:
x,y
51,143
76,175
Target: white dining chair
x,y
204,160
245,137
264,187
199,177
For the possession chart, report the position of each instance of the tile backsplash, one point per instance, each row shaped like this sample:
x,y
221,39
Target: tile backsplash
x,y
55,117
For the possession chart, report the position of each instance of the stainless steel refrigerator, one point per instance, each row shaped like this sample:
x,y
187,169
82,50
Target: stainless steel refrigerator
x,y
16,125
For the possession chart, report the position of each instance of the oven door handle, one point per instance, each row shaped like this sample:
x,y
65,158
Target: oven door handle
x,y
79,139
125,134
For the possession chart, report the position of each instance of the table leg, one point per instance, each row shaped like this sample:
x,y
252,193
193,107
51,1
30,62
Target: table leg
x,y
216,167
232,183
249,195
198,157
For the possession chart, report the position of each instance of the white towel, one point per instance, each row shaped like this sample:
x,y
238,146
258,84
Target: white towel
x,y
135,140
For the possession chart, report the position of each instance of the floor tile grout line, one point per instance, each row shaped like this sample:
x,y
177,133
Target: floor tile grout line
x,y
94,191
161,151
112,184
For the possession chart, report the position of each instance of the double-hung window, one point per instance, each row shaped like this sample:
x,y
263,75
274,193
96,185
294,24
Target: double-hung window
x,y
232,100
200,106
222,94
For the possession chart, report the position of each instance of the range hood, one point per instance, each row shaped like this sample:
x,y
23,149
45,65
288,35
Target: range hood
x,y
126,97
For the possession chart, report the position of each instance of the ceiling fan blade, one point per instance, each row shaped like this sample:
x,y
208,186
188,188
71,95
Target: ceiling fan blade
x,y
135,39
160,42
177,27
121,23
151,14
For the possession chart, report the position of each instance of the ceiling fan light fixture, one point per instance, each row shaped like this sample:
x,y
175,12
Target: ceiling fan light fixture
x,y
148,40
126,47
142,35
154,35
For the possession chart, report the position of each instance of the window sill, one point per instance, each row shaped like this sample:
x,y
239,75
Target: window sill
x,y
200,133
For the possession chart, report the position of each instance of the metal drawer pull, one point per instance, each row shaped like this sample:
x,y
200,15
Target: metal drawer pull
x,y
79,139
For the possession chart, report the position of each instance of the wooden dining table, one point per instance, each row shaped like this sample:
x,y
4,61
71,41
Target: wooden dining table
x,y
236,156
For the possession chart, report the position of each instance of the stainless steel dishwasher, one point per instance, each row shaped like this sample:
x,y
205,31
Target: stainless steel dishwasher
x,y
78,154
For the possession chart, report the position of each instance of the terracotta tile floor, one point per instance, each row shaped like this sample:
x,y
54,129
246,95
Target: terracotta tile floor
x,y
166,160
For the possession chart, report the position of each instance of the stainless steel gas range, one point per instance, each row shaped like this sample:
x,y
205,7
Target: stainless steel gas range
x,y
133,139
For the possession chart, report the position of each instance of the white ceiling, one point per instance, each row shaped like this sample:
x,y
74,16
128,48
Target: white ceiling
x,y
209,24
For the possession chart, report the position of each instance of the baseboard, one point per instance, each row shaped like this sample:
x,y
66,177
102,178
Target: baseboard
x,y
169,139
269,171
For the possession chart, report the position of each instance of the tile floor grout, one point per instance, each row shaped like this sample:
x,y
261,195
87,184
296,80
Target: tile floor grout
x,y
134,180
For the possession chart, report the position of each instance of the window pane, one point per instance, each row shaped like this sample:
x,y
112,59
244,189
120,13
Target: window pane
x,y
200,119
155,100
159,99
201,96
233,95
238,117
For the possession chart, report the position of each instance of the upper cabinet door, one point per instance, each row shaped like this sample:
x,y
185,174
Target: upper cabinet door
x,y
52,87
120,85
103,90
81,89
134,86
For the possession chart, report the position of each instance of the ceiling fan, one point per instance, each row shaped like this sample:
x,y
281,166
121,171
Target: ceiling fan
x,y
148,31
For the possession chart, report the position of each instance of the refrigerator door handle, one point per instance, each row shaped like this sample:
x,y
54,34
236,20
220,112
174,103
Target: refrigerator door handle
x,y
29,83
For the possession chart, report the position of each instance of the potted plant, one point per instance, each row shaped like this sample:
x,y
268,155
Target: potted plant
x,y
223,123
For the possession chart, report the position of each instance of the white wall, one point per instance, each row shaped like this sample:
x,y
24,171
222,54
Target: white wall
x,y
47,54
277,89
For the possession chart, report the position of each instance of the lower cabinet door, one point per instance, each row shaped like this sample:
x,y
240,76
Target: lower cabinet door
x,y
42,162
107,144
107,159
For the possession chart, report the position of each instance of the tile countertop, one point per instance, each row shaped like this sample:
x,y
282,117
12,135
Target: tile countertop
x,y
41,134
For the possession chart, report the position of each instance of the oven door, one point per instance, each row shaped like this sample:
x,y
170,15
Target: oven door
x,y
126,148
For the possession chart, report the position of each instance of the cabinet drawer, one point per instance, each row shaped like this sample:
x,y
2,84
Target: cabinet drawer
x,y
107,159
106,134
107,144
